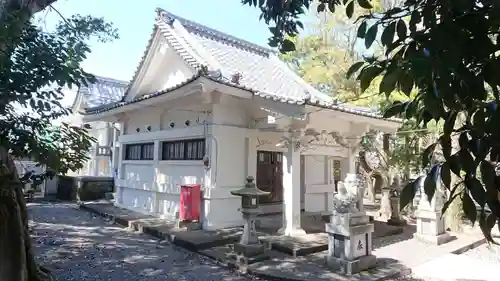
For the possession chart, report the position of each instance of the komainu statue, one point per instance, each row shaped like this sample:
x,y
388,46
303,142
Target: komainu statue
x,y
375,171
344,201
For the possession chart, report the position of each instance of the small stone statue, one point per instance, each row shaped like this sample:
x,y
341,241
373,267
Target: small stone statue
x,y
355,185
344,202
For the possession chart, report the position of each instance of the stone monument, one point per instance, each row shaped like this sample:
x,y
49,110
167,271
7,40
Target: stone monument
x,y
249,249
395,205
430,224
349,231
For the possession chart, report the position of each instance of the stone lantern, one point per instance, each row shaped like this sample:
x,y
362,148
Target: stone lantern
x,y
249,249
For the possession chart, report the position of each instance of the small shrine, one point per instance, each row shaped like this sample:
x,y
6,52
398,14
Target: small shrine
x,y
249,249
350,231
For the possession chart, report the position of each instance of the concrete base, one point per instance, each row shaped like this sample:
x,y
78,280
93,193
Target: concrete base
x,y
249,250
397,222
189,225
248,254
351,267
298,246
292,232
433,239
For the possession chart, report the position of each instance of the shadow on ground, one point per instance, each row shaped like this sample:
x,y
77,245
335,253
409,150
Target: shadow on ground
x,y
78,245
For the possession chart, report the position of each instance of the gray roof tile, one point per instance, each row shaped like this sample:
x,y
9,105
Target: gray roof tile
x,y
102,92
261,70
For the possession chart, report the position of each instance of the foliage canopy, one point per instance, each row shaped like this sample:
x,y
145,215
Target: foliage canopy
x,y
446,51
36,66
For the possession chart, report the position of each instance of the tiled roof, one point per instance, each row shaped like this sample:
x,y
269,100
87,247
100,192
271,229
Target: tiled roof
x,y
260,70
103,92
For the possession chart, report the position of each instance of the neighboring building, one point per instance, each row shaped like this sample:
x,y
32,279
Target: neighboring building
x,y
102,91
199,93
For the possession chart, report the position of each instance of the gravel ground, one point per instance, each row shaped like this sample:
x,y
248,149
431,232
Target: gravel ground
x,y
77,245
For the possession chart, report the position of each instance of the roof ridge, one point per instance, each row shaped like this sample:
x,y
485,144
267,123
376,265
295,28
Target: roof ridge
x,y
193,43
211,32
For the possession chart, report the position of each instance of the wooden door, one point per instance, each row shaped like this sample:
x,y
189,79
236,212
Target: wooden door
x,y
270,175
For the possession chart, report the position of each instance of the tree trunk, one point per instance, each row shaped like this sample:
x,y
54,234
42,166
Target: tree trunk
x,y
17,260
8,7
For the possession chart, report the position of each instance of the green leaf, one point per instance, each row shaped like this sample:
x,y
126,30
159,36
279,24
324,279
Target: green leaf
x,y
394,109
430,182
455,165
350,9
488,175
408,193
287,46
365,4
388,34
466,161
388,83
449,123
445,173
367,75
469,207
401,29
321,8
433,104
406,83
445,142
370,36
479,119
476,190
486,223
410,109
331,6
427,155
354,68
362,30
452,197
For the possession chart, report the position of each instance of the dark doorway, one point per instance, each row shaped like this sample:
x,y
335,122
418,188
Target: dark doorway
x,y
270,175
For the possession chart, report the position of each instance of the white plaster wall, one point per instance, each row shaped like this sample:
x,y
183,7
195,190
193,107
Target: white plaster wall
x,y
229,169
318,184
153,186
170,175
159,119
165,69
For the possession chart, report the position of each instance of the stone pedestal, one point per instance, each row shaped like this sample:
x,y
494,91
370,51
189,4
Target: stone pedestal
x,y
430,224
350,243
249,249
396,218
430,228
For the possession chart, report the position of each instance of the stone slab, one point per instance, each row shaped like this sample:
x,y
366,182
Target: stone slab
x,y
434,239
281,266
164,229
299,245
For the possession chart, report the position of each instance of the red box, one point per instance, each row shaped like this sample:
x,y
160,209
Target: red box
x,y
189,209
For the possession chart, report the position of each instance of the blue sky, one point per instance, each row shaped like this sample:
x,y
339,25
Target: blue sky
x,y
120,58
